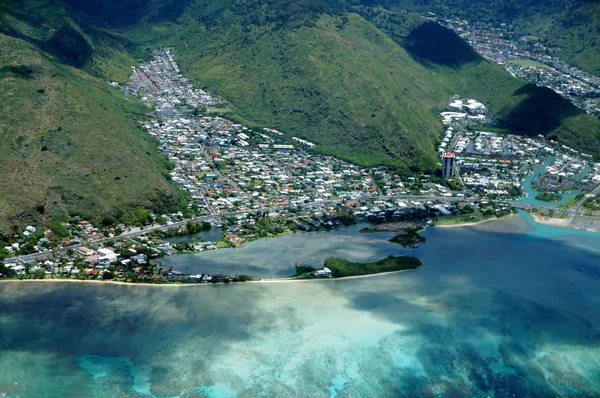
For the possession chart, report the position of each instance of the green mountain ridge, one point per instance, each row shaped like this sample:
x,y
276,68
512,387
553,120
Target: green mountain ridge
x,y
372,80
70,143
366,84
573,26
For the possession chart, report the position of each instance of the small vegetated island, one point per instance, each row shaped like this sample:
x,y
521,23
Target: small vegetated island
x,y
549,196
407,233
409,237
340,268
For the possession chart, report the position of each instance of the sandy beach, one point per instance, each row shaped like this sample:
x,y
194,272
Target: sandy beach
x,y
555,222
266,280
470,224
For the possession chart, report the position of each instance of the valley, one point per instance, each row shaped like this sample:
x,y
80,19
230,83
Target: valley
x,y
258,183
355,90
224,198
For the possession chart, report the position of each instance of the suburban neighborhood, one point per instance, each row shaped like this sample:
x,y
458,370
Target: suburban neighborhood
x,y
526,57
247,183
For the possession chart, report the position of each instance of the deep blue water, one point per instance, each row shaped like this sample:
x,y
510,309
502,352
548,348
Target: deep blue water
x,y
505,309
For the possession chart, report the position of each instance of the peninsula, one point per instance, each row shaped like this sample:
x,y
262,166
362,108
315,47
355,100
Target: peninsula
x,y
335,267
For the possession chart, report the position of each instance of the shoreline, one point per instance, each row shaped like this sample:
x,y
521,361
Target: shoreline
x,y
552,221
145,284
470,224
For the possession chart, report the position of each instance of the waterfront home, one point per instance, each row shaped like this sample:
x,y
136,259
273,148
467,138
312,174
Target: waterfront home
x,y
325,272
107,256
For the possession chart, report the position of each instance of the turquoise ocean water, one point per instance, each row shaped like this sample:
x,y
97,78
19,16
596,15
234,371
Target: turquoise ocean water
x,y
504,309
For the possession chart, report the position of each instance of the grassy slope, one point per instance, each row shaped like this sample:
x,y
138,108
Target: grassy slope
x,y
343,85
575,30
454,66
571,25
336,80
362,94
69,142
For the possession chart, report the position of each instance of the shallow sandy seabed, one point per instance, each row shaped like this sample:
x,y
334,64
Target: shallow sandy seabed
x,y
491,313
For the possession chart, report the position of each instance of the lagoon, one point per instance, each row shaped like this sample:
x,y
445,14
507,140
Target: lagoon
x,y
499,309
276,257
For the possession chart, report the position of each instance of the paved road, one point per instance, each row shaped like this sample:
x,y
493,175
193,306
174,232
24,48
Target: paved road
x,y
571,213
579,204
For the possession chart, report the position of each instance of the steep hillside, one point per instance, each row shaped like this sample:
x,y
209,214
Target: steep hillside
x,y
340,82
70,144
365,87
573,26
528,109
574,29
365,84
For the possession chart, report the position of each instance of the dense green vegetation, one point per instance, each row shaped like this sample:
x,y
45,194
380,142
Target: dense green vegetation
x,y
303,270
342,268
337,81
190,228
592,203
571,202
408,238
366,85
522,108
70,144
549,196
491,129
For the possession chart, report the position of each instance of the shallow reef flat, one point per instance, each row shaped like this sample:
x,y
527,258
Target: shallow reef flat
x,y
489,313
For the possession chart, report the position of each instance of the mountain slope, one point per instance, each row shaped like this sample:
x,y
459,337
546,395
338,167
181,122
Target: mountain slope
x,y
340,83
70,144
365,87
365,84
528,109
572,26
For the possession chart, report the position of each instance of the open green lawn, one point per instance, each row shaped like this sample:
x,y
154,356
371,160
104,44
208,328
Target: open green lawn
x,y
491,129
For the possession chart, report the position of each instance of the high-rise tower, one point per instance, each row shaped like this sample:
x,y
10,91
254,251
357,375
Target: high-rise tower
x,y
447,164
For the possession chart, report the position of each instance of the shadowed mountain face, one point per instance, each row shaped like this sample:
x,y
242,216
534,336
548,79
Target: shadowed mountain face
x,y
540,111
70,45
431,43
570,26
365,84
528,109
